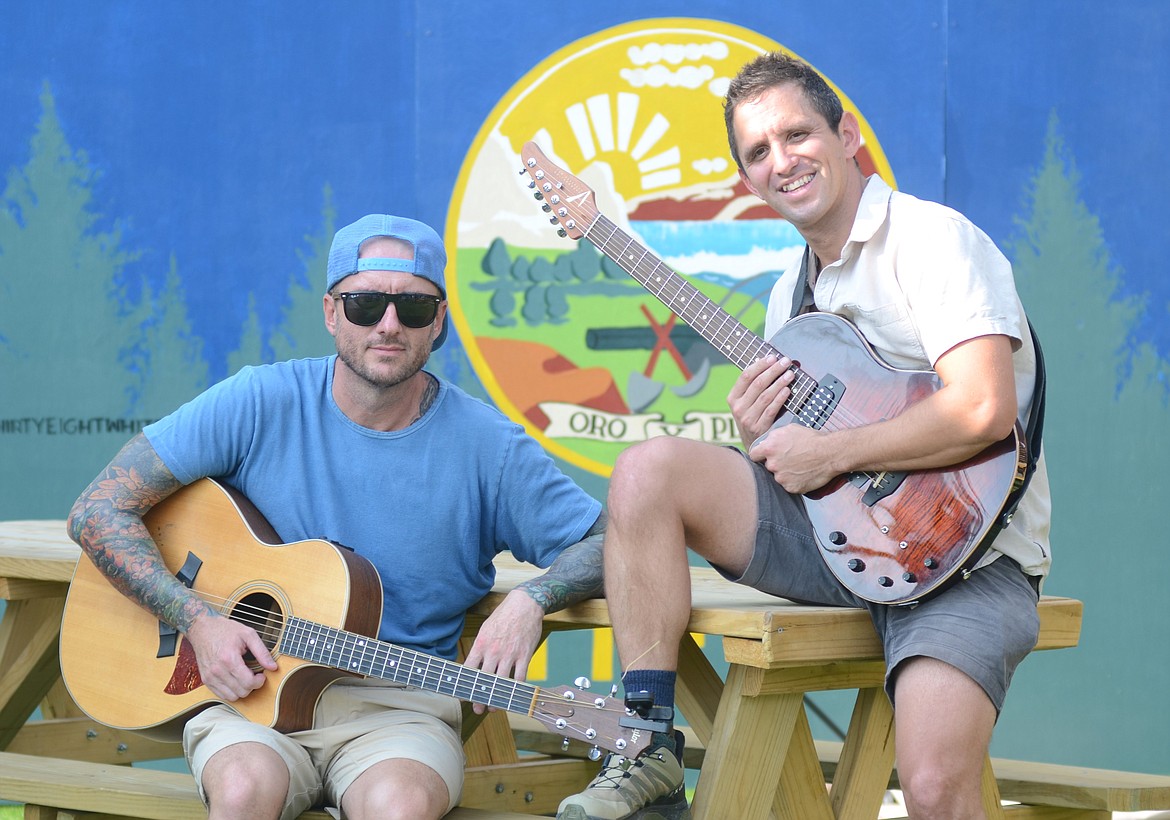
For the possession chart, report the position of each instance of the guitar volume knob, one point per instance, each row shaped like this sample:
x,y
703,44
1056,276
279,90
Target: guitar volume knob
x,y
885,581
856,564
837,537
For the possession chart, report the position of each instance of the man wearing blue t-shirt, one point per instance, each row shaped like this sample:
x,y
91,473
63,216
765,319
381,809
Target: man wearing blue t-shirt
x,y
365,449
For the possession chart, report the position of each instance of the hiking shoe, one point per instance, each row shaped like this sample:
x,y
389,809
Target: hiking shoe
x,y
648,787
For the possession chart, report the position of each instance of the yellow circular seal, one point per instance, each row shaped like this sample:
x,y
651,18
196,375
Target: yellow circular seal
x,y
585,356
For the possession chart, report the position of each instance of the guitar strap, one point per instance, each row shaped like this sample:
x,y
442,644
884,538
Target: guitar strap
x,y
1033,433
802,294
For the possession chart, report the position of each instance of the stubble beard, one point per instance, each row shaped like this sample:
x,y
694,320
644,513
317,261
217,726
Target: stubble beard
x,y
352,356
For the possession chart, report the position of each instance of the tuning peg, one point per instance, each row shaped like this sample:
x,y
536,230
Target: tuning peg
x,y
532,183
546,208
561,232
538,195
582,682
595,754
553,221
564,744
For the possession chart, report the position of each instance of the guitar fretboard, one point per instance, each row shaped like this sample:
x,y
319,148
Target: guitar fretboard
x,y
725,333
378,659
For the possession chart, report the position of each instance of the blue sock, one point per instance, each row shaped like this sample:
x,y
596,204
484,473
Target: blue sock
x,y
658,682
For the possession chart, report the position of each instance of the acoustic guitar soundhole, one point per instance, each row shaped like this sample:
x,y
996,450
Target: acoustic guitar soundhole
x,y
262,612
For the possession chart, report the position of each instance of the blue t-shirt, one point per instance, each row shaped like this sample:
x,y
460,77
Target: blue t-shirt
x,y
429,506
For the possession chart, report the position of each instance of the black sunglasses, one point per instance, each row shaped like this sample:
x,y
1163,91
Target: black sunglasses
x,y
367,307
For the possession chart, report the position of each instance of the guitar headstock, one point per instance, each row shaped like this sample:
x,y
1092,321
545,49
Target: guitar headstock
x,y
595,719
570,201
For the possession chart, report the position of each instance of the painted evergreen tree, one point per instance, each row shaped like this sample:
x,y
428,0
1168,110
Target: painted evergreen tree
x,y
301,332
251,349
64,310
68,332
169,362
1106,442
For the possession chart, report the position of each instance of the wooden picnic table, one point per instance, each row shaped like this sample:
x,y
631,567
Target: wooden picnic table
x,y
760,758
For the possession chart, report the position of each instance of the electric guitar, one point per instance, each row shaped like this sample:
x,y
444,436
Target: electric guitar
x,y
889,537
316,606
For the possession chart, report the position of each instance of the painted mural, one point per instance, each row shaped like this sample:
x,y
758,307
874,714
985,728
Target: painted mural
x,y
173,175
565,341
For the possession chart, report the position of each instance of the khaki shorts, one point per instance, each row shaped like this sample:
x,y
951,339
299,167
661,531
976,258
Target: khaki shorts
x,y
357,723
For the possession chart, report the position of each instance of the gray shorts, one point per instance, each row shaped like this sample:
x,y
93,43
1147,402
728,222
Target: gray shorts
x,y
983,626
357,724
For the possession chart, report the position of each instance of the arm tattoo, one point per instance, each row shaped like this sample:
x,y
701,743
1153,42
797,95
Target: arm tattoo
x,y
575,575
106,521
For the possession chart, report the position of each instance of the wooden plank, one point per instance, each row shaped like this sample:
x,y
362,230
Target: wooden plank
x,y
698,688
85,739
1056,785
492,742
803,679
1060,622
1053,813
29,636
103,791
1077,787
96,787
19,589
747,752
1046,813
37,550
788,632
989,793
867,757
530,786
801,794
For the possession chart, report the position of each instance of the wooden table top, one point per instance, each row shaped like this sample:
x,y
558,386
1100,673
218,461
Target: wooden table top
x,y
789,633
37,551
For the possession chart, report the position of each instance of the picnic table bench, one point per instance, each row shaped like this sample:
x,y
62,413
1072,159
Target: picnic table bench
x,y
750,731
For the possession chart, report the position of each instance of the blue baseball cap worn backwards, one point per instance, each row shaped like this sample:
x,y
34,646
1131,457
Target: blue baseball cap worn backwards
x,y
430,257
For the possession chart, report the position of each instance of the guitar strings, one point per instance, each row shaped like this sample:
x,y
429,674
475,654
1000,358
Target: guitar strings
x,y
261,619
804,386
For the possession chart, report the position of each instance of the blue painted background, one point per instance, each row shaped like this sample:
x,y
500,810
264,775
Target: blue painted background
x,y
220,138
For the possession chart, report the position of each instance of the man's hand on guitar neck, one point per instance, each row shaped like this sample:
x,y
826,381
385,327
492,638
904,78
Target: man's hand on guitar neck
x,y
507,639
221,647
758,395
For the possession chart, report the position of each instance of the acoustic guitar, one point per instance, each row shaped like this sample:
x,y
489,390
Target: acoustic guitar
x,y
889,537
317,607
